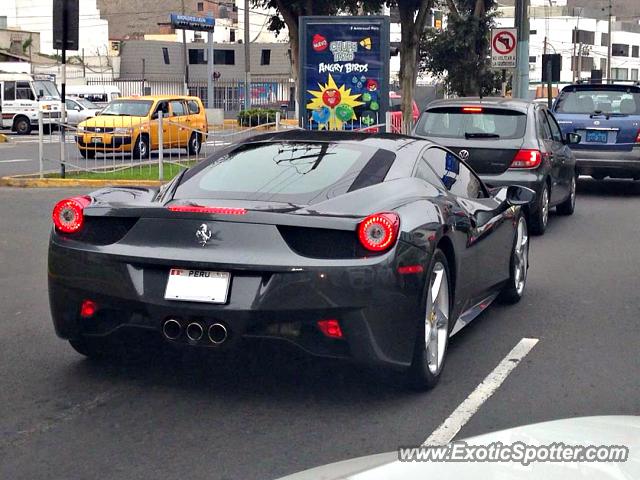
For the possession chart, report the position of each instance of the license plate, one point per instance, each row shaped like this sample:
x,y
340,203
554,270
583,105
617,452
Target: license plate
x,y
596,136
197,286
96,140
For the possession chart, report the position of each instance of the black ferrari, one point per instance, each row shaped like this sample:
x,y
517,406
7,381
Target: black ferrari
x,y
373,248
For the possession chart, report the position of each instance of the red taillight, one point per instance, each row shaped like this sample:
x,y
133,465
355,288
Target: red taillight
x,y
201,209
331,328
379,231
638,137
526,159
472,109
88,309
68,215
410,269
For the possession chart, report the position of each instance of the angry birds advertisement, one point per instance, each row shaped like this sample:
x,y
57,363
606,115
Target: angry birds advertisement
x,y
344,72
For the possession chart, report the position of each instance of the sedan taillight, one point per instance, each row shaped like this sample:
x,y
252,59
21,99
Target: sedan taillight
x,y
638,137
526,159
68,214
379,231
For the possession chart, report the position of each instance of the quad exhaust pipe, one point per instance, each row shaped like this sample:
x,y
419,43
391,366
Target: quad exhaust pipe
x,y
217,333
172,330
194,331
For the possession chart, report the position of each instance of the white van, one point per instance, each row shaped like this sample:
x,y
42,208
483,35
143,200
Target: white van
x,y
22,95
98,94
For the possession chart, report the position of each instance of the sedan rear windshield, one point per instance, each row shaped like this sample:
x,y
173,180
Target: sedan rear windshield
x,y
619,102
289,172
472,122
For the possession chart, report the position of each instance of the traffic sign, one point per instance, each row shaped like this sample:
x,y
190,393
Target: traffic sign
x,y
503,47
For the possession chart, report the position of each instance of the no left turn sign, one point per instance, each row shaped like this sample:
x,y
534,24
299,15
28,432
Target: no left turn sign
x,y
503,47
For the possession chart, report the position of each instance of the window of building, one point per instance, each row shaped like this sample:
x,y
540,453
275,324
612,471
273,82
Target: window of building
x,y
265,57
635,51
3,22
165,54
620,73
232,35
619,50
586,64
583,36
201,6
634,74
603,64
196,56
604,40
224,57
532,59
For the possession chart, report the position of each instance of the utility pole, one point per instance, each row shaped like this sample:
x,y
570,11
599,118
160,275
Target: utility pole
x,y
574,63
521,84
184,54
580,61
609,46
63,89
210,59
247,59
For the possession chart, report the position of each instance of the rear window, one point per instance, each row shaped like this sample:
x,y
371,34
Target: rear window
x,y
601,101
395,104
290,172
477,122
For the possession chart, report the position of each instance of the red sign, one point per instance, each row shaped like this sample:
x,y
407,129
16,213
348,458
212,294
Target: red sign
x,y
319,43
504,43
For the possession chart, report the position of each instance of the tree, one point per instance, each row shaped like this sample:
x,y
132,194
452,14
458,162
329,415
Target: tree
x,y
413,20
460,53
288,13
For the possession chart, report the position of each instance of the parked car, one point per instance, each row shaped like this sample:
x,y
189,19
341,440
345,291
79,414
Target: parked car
x,y
339,243
79,109
508,142
395,108
101,95
607,117
130,125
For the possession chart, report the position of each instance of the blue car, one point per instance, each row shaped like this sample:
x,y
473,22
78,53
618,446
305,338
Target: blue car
x,y
607,118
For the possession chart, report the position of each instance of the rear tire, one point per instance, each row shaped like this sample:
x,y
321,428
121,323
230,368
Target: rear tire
x,y
141,149
540,218
195,144
519,266
432,339
90,154
568,206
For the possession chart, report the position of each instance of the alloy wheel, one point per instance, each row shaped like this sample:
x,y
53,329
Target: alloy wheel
x,y
436,325
545,206
521,257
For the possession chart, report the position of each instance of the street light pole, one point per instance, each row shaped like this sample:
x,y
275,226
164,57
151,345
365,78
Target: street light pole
x,y
247,59
184,56
609,46
521,87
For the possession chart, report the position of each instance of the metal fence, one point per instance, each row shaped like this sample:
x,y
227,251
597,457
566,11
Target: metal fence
x,y
228,94
134,149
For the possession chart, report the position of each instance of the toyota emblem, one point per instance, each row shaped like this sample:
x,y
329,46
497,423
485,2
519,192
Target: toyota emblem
x,y
464,154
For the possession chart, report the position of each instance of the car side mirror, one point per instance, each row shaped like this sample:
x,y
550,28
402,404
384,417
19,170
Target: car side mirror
x,y
573,138
514,195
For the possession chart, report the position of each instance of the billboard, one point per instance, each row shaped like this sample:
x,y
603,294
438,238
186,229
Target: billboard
x,y
190,22
344,72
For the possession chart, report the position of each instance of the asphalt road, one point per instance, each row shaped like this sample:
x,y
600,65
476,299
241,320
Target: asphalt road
x,y
266,414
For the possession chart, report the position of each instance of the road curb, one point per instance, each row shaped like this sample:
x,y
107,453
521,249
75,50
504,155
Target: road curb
x,y
23,182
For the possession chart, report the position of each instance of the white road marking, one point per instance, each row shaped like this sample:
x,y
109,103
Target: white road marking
x,y
18,160
461,415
